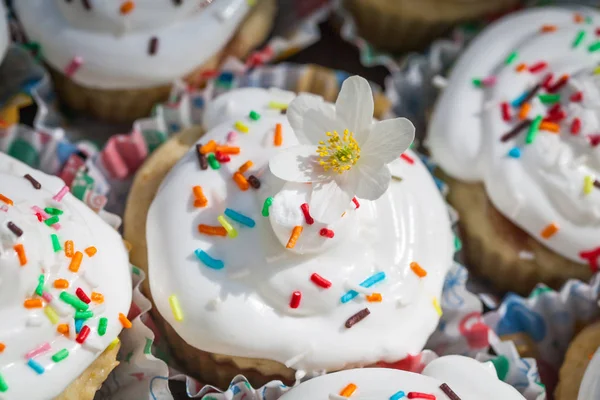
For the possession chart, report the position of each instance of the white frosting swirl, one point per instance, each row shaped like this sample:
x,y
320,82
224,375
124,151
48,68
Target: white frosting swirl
x,y
4,33
244,309
106,272
547,183
590,384
467,378
114,47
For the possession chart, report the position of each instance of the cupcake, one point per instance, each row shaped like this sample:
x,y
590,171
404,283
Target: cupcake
x,y
405,25
65,289
579,377
277,260
516,131
116,59
446,378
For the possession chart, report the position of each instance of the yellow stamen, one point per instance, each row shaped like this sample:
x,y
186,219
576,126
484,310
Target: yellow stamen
x,y
338,153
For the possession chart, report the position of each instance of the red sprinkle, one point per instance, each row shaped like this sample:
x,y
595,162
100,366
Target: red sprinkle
x,y
407,158
39,217
320,281
418,395
575,126
506,112
577,96
547,80
594,139
356,203
295,300
598,31
592,258
326,232
82,296
537,67
309,220
556,116
83,334
559,84
222,157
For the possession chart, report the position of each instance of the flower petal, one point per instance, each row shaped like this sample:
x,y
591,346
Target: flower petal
x,y
298,164
367,181
387,140
329,201
311,118
354,105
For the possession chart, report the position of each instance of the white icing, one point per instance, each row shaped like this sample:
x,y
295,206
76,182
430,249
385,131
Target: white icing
x,y
243,309
590,385
546,184
114,47
466,377
4,33
22,330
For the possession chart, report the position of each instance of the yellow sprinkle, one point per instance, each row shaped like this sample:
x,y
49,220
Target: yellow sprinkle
x,y
231,232
51,314
277,106
113,344
588,184
596,70
176,308
240,126
436,305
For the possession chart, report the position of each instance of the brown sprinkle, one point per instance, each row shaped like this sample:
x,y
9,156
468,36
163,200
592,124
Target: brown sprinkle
x,y
153,46
359,316
254,182
449,392
515,131
201,157
34,183
86,4
15,229
597,183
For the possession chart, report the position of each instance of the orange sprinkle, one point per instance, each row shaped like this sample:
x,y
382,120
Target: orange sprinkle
x,y
6,199
127,7
69,248
90,251
416,268
33,303
278,139
245,167
21,253
550,126
374,298
63,329
578,18
61,284
124,321
549,231
294,237
76,261
2,347
228,149
128,245
97,297
209,147
524,111
348,390
241,181
521,67
212,230
200,200
548,28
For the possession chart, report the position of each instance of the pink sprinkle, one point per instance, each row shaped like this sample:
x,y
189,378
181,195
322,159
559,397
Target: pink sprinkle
x,y
44,216
506,112
40,350
59,196
407,158
4,208
489,81
577,96
537,67
73,66
48,297
231,137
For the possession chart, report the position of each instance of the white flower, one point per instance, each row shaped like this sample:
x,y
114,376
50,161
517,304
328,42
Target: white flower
x,y
343,152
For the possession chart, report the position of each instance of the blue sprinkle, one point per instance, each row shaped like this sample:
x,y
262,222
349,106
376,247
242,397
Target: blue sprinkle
x,y
198,102
515,152
370,281
519,100
78,325
208,260
397,395
235,390
226,77
241,218
174,127
37,367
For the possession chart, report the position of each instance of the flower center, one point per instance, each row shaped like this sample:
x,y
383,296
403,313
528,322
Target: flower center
x,y
339,153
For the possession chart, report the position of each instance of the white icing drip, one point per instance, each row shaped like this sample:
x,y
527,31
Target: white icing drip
x,y
114,47
24,329
546,184
468,378
253,317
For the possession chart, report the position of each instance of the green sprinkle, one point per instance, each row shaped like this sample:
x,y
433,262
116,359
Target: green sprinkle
x,y
549,98
254,116
533,129
212,161
579,38
266,205
477,82
55,242
51,221
135,270
128,357
84,314
53,211
3,384
511,57
102,324
595,46
502,365
148,347
61,355
39,290
73,301
538,291
457,243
